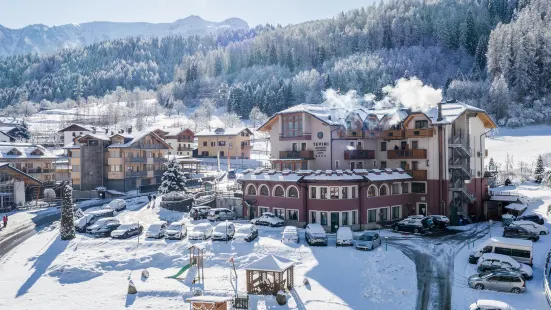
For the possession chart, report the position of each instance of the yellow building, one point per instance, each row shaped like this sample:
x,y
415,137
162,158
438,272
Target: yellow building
x,y
32,159
232,142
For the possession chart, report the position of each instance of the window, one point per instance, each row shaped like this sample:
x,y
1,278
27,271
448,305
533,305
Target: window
x,y
334,192
336,164
383,214
360,165
344,217
405,188
251,190
403,165
520,253
303,146
351,143
264,190
353,192
76,168
354,217
213,143
415,165
344,192
396,212
372,191
323,217
383,165
292,126
323,193
383,190
279,192
116,168
383,146
421,124
396,189
293,192
414,145
262,210
418,188
280,213
313,217
313,192
292,215
204,143
294,147
372,215
504,251
221,153
221,143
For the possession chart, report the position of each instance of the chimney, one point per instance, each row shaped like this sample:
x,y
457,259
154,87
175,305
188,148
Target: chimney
x,y
439,112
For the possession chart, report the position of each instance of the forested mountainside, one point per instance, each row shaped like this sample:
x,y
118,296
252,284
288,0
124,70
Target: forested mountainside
x,y
42,39
491,53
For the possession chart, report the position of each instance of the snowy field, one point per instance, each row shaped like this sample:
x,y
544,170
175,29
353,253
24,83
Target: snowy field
x,y
86,273
524,144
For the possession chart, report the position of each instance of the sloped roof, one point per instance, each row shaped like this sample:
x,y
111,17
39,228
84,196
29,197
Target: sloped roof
x,y
270,263
373,175
82,127
26,150
451,110
222,132
269,175
135,138
12,170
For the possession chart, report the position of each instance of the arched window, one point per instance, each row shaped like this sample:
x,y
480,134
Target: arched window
x,y
383,190
372,191
292,192
279,191
251,190
264,190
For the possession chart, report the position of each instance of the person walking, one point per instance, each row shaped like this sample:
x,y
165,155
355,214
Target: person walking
x,y
5,220
154,200
149,203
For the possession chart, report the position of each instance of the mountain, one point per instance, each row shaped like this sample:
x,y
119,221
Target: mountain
x,y
42,39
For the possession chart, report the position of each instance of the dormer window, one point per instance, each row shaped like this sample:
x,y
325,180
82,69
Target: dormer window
x,y
14,152
37,152
421,124
219,131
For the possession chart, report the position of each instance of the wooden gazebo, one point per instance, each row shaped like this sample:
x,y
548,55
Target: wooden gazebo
x,y
269,275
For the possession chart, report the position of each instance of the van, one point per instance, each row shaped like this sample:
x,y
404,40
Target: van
x,y
90,218
519,250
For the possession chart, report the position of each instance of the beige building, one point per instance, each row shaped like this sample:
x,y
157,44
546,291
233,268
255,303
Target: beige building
x,y
33,160
181,140
232,142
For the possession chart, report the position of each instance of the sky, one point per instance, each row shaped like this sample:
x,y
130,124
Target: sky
x,y
20,13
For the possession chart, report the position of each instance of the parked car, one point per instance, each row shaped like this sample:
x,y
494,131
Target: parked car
x,y
490,305
315,234
105,230
531,217
117,205
90,219
440,221
501,280
290,234
221,214
532,227
268,219
247,232
368,241
491,262
426,221
201,231
224,231
127,230
199,212
231,174
519,250
157,230
176,231
344,236
100,223
409,225
519,233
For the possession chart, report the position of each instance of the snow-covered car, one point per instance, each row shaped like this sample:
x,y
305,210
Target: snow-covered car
x,y
224,231
199,212
268,219
117,205
176,231
100,223
90,219
157,230
290,234
536,218
201,231
368,241
491,261
532,227
344,236
409,225
426,221
221,214
105,230
483,304
315,234
127,230
246,232
440,221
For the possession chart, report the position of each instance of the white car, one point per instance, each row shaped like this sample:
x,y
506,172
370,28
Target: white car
x,y
268,219
344,236
201,231
116,205
101,223
246,232
176,230
482,304
290,234
532,227
224,231
492,261
157,230
221,214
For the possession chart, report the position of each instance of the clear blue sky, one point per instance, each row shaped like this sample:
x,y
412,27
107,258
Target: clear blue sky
x,y
20,13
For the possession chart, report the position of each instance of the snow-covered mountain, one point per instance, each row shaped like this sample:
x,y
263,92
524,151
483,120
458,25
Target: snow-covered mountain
x,y
45,40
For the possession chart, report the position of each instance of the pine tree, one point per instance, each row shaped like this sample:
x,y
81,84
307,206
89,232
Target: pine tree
x,y
538,172
471,37
173,179
67,227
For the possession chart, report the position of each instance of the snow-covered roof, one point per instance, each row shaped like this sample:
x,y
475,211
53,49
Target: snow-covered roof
x,y
373,175
492,304
333,176
172,132
210,298
81,127
269,176
95,136
270,263
387,175
26,150
7,166
516,206
131,139
506,198
222,132
517,242
451,110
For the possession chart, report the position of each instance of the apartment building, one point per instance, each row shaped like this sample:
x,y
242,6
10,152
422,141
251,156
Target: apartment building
x,y
121,162
180,139
31,159
232,142
442,149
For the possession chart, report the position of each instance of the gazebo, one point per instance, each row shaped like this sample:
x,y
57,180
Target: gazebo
x,y
269,275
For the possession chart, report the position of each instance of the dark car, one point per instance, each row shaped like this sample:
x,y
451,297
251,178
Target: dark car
x,y
531,217
440,221
199,212
519,233
126,231
105,231
410,225
231,174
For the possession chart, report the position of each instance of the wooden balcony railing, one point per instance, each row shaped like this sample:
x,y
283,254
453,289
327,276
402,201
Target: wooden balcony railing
x,y
420,133
407,154
418,175
359,154
393,134
304,136
296,155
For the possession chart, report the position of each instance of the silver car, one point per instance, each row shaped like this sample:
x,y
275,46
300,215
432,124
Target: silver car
x,y
368,241
499,280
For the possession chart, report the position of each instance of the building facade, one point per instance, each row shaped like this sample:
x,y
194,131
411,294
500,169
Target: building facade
x,y
443,149
232,142
69,133
31,159
121,162
181,140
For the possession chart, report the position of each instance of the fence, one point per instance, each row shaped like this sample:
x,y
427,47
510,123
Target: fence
x,y
546,275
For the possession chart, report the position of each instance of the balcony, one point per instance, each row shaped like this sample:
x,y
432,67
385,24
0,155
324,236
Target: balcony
x,y
359,154
354,134
149,146
393,134
246,147
187,140
136,173
115,161
159,173
418,175
296,155
304,136
37,170
373,134
407,154
137,159
420,133
184,149
160,160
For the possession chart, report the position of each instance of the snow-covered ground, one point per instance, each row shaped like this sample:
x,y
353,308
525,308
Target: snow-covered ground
x,y
524,144
538,198
86,273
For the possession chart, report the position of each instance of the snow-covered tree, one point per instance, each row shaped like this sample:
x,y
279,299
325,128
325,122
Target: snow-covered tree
x,y
67,226
173,179
257,117
49,195
540,169
231,120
